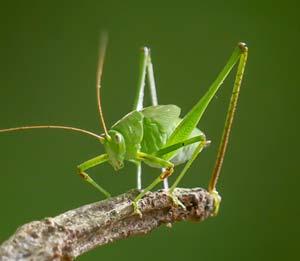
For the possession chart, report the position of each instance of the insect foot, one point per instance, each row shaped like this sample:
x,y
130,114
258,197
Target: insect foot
x,y
176,202
88,179
136,209
217,200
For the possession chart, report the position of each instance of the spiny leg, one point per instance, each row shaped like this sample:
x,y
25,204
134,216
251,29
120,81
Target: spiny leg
x,y
181,144
154,99
139,101
139,98
139,175
146,66
192,118
189,122
151,81
168,168
227,126
89,164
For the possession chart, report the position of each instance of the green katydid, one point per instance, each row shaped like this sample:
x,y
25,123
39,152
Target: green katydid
x,y
156,135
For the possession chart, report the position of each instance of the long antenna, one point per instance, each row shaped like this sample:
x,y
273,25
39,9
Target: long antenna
x,y
102,50
53,127
229,118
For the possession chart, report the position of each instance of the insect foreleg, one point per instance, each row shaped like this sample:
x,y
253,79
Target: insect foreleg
x,y
89,164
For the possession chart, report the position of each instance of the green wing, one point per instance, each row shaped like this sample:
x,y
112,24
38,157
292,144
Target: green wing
x,y
159,122
131,127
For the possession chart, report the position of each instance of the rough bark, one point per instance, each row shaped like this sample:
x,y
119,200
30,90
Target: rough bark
x,y
77,231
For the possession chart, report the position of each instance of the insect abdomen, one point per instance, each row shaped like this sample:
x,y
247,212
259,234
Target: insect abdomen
x,y
185,153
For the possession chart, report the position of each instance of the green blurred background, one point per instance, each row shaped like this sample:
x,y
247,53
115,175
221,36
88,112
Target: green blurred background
x,y
48,53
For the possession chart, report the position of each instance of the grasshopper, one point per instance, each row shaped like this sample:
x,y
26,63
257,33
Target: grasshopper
x,y
156,135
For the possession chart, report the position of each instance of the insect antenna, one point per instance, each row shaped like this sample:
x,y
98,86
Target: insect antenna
x,y
102,51
53,127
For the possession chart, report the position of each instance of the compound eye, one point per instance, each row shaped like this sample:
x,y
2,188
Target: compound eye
x,y
118,138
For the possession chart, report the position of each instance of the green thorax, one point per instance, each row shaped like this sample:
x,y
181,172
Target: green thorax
x,y
159,123
147,130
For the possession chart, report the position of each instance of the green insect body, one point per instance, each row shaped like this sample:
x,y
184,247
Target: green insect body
x,y
148,131
156,135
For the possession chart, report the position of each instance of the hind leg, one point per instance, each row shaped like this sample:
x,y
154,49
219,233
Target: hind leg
x,y
145,67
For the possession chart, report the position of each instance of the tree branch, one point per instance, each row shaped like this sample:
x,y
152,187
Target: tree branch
x,y
77,231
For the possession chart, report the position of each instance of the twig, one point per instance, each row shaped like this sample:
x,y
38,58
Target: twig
x,y
77,231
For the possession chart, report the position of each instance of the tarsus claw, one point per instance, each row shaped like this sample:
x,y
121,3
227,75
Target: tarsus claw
x,y
217,201
136,209
176,201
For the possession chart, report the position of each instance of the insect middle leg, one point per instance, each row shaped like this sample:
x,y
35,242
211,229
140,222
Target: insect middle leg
x,y
89,164
195,154
158,161
168,168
